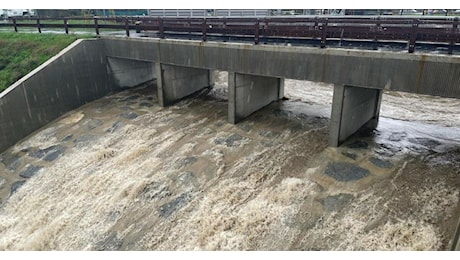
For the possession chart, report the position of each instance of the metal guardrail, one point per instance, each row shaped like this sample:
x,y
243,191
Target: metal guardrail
x,y
411,30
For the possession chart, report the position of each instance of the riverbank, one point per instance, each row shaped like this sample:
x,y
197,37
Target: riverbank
x,y
20,53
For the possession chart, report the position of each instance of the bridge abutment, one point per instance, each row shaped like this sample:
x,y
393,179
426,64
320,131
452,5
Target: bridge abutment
x,y
352,108
249,93
176,82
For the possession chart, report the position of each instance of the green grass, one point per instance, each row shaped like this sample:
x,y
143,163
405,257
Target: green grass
x,y
20,53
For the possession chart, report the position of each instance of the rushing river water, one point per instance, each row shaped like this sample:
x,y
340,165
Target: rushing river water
x,y
123,173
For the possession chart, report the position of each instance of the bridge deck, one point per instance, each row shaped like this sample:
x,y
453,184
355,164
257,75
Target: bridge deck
x,y
431,74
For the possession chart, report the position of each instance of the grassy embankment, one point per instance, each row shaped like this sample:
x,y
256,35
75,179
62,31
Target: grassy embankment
x,y
20,53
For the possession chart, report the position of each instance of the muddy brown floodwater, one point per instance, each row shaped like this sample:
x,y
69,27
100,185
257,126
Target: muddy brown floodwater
x,y
123,173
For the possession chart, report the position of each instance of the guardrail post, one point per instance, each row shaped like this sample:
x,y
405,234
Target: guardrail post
x,y
377,29
15,25
96,26
38,26
204,29
66,26
316,28
161,27
127,26
265,30
453,38
189,24
324,33
256,32
138,26
413,36
224,26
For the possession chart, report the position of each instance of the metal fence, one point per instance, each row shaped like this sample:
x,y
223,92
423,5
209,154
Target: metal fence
x,y
377,29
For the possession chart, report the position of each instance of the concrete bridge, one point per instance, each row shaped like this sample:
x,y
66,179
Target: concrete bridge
x,y
90,69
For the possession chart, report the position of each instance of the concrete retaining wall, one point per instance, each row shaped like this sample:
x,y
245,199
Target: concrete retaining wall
x,y
75,76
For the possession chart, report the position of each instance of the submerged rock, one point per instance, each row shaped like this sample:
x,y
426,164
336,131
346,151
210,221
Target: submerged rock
x,y
427,142
269,134
130,98
30,171
49,153
169,208
16,186
67,138
397,136
187,177
184,162
380,163
146,104
350,155
85,139
345,171
54,154
155,190
115,127
129,115
94,123
230,141
11,161
336,202
111,243
358,145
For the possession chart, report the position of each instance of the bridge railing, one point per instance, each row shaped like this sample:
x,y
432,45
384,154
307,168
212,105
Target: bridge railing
x,y
410,30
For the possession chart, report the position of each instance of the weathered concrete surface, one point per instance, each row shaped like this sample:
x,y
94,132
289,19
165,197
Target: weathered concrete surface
x,y
130,73
249,93
177,82
431,74
352,107
75,76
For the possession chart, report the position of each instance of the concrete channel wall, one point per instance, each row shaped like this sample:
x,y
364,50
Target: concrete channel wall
x,y
75,76
90,69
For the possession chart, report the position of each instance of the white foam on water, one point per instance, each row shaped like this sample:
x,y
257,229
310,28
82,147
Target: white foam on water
x,y
184,179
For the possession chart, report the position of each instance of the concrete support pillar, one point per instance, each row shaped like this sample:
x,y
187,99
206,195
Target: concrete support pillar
x,y
353,107
249,93
130,73
177,82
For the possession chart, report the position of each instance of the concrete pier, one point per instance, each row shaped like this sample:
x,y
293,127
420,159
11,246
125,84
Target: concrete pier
x,y
249,93
130,73
177,82
352,107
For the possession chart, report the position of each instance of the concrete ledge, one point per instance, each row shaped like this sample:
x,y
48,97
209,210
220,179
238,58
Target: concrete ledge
x,y
75,76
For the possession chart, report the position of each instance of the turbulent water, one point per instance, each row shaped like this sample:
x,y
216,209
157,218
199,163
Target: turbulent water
x,y
123,173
